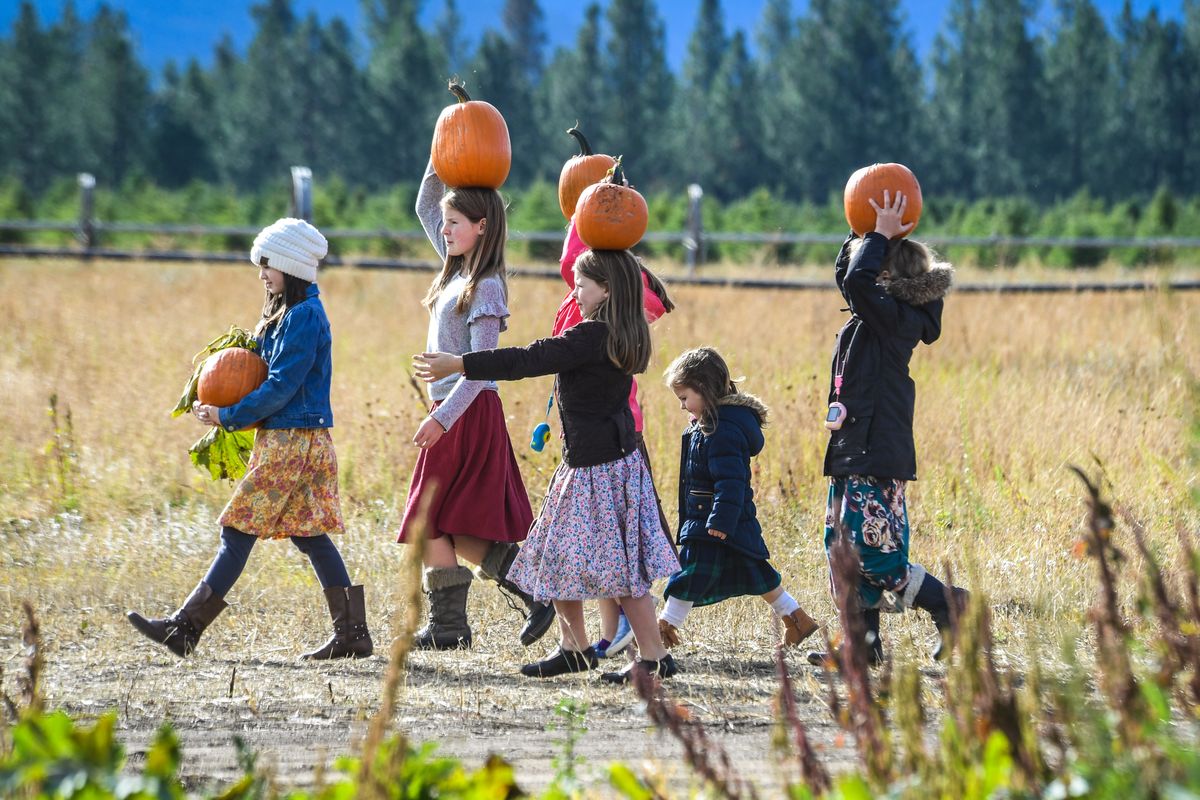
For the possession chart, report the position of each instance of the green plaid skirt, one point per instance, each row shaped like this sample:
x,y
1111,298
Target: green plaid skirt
x,y
713,572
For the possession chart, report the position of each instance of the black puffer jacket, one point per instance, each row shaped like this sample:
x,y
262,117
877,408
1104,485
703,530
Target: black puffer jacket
x,y
592,393
877,343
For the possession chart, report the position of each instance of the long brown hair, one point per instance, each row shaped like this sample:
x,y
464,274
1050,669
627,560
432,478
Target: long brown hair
x,y
276,305
628,332
486,257
657,286
705,372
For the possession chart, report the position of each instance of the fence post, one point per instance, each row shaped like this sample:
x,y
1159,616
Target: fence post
x,y
302,201
694,241
87,222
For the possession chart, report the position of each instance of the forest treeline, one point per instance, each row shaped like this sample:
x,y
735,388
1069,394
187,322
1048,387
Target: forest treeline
x,y
1005,106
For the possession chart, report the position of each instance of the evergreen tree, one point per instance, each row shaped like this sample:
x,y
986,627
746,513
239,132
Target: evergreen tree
x,y
954,102
115,99
737,158
1190,88
499,78
640,91
182,128
1081,87
405,90
456,52
573,91
332,131
700,132
525,30
779,89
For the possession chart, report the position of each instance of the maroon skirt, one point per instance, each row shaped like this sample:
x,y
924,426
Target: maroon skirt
x,y
468,484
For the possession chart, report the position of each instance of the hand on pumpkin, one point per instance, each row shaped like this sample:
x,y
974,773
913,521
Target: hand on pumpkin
x,y
889,217
431,367
428,434
206,414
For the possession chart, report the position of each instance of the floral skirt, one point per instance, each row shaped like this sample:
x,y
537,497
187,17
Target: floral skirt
x,y
598,535
873,514
469,484
290,487
713,572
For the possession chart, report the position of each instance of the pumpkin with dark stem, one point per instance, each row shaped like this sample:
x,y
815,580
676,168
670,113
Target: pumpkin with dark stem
x,y
580,172
470,146
229,375
611,215
869,183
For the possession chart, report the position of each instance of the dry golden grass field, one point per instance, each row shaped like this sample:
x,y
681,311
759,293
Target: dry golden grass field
x,y
100,509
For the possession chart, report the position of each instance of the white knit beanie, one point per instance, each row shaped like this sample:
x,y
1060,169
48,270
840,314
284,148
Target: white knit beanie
x,y
290,245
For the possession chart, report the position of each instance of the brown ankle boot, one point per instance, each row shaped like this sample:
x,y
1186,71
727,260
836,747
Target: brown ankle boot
x,y
797,626
494,567
181,631
351,639
447,629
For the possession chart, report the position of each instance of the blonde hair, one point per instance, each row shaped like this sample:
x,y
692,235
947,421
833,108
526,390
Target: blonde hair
x,y
486,258
905,258
628,332
705,372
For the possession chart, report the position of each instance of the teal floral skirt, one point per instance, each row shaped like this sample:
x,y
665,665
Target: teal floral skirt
x,y
872,512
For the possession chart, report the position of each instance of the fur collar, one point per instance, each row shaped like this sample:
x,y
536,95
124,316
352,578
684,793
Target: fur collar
x,y
933,285
748,401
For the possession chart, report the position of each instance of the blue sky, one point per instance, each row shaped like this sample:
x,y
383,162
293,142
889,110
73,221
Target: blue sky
x,y
182,29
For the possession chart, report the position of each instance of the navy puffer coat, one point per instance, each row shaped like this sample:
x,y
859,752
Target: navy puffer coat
x,y
714,477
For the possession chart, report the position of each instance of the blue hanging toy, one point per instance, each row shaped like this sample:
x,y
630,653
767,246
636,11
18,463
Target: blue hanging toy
x,y
541,434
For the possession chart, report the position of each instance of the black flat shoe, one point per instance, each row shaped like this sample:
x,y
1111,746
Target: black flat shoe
x,y
562,662
665,667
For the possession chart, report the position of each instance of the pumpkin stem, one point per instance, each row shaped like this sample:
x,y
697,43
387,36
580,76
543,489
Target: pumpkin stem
x,y
458,91
617,176
585,149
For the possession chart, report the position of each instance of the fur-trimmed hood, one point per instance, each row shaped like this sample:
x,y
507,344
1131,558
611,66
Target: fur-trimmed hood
x,y
747,401
933,285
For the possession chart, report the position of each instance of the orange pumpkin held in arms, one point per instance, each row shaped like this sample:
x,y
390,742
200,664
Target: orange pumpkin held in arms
x,y
610,215
868,183
229,375
470,144
580,172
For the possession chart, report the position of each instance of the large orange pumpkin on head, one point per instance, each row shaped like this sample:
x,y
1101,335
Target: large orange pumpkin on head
x,y
611,215
470,144
229,375
580,172
869,183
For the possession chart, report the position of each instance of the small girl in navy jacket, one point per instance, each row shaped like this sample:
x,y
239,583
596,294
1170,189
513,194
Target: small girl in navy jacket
x,y
290,489
722,552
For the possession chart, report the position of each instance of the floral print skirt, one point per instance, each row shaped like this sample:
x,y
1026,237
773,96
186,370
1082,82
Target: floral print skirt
x,y
598,535
873,514
290,487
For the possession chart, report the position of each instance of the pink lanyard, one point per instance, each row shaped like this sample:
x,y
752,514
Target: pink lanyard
x,y
839,364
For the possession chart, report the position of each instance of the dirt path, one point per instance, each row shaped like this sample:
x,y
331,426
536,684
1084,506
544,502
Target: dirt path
x,y
299,717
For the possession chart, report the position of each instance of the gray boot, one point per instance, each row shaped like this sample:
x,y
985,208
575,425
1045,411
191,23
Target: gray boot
x,y
181,631
446,588
538,616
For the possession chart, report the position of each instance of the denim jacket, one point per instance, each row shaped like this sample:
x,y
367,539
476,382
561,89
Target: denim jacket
x,y
299,365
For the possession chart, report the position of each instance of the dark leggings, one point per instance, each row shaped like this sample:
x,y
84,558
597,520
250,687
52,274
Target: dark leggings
x,y
235,552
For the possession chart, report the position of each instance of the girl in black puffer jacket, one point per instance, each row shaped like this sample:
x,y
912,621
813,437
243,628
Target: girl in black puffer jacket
x,y
895,292
722,552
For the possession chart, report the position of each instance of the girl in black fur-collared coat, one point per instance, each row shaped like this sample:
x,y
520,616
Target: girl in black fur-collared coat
x,y
722,552
895,291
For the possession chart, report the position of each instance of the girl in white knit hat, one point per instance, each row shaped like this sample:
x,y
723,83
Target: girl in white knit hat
x,y
290,489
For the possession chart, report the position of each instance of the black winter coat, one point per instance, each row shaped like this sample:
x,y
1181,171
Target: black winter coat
x,y
714,477
592,392
877,343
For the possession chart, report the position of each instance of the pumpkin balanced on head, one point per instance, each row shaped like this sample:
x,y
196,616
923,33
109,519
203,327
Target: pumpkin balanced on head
x,y
869,183
470,144
611,215
229,375
580,172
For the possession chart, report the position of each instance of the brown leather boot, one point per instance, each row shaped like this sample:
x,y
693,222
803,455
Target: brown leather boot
x,y
181,631
797,626
351,639
538,616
